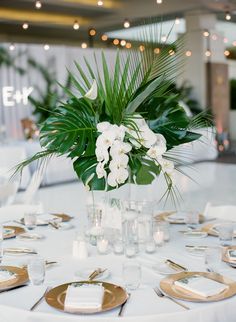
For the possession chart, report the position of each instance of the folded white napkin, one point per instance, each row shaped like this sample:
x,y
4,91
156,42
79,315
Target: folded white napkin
x,y
225,212
201,285
6,275
83,296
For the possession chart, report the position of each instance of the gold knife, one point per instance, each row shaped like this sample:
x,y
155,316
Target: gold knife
x,y
175,265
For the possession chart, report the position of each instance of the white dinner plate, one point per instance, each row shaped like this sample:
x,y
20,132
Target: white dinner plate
x,y
86,271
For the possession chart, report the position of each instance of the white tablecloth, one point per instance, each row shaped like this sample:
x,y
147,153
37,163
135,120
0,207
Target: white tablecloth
x,y
143,305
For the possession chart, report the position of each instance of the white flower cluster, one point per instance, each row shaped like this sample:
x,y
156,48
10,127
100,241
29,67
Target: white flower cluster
x,y
111,148
110,144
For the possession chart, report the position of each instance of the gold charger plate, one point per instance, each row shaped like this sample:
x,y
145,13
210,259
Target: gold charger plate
x,y
225,256
17,231
114,296
168,286
163,216
21,277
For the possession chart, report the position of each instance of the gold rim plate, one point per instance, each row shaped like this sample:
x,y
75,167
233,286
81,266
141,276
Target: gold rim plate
x,y
164,215
17,231
114,296
225,256
21,277
168,287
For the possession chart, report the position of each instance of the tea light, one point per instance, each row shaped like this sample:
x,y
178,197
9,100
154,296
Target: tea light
x,y
150,247
159,237
166,235
130,251
118,247
102,246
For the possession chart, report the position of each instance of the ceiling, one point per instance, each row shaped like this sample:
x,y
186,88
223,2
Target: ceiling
x,y
53,23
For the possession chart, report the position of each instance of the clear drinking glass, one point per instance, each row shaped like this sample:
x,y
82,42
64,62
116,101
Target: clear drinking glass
x,y
192,219
131,274
36,270
30,220
94,222
226,234
213,258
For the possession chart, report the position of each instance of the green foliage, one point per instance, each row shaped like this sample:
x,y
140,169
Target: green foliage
x,y
10,61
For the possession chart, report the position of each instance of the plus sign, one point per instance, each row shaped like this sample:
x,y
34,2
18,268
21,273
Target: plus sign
x,y
18,97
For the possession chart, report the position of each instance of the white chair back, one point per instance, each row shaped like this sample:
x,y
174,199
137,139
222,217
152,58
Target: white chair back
x,y
8,192
15,212
33,186
223,212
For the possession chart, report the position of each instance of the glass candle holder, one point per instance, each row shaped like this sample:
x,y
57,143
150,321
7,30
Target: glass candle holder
x,y
95,229
102,245
159,235
150,246
30,220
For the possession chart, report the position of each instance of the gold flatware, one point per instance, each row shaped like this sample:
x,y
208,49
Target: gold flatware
x,y
197,247
19,251
40,299
175,265
123,306
96,273
53,224
161,294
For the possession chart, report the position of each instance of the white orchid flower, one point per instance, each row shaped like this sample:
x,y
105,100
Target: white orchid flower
x,y
148,137
119,162
120,148
167,166
139,120
106,139
100,171
119,131
111,179
160,139
93,92
102,154
103,126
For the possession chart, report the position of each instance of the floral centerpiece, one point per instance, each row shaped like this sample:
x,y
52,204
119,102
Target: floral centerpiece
x,y
122,124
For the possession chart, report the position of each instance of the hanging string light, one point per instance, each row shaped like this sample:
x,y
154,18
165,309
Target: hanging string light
x,y
46,47
116,42
123,43
104,37
227,16
206,33
159,1
25,25
157,51
207,53
188,53
177,21
76,25
128,45
226,53
92,32
100,3
84,45
12,47
126,23
38,4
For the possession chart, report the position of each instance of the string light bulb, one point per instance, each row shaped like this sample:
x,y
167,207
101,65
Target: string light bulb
x,y
141,48
104,37
188,53
128,45
25,25
123,43
92,32
157,51
177,21
227,16
84,45
100,3
207,53
76,25
126,23
46,47
206,33
12,47
159,1
226,53
38,4
116,42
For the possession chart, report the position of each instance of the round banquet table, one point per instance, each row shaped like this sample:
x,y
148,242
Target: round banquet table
x,y
143,305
